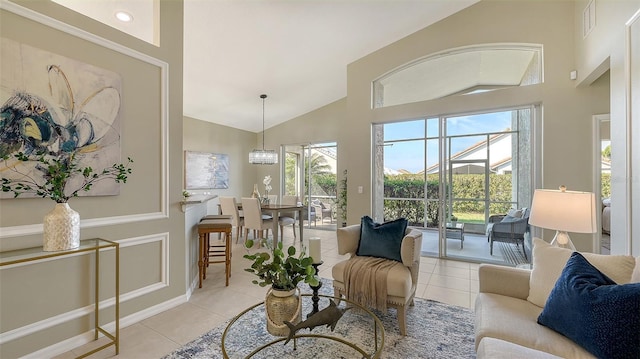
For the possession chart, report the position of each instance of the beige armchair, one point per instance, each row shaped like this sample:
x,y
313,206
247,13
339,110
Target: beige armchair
x,y
402,278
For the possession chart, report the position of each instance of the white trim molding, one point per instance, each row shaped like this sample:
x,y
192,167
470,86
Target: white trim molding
x,y
163,211
632,76
162,238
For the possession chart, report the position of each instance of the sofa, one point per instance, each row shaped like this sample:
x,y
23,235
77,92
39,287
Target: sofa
x,y
510,301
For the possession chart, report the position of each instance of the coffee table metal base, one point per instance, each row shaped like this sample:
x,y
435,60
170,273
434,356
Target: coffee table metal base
x,y
377,332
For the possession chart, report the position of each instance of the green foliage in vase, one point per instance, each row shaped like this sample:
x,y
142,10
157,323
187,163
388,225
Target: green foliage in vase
x,y
283,271
57,172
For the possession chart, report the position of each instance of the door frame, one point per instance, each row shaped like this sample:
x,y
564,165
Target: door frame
x,y
598,121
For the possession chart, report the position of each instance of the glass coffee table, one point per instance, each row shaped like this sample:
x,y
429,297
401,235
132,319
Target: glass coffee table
x,y
358,334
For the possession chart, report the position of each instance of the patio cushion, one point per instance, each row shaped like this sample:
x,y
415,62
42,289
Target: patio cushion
x,y
517,213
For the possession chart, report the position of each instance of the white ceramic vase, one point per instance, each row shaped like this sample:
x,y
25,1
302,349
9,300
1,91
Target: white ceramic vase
x,y
282,305
61,229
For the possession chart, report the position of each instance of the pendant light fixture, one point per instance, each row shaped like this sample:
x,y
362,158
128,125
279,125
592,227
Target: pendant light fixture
x,y
263,157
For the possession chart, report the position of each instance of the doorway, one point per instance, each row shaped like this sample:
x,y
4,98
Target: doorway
x,y
310,172
602,182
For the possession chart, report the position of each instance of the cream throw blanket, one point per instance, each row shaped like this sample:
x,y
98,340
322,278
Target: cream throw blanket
x,y
365,280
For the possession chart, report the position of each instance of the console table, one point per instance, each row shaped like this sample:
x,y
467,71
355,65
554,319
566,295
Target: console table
x,y
16,257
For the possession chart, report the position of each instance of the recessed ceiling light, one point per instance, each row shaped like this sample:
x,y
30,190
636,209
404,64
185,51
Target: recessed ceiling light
x,y
124,16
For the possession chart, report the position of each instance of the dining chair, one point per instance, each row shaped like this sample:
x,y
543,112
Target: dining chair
x,y
283,220
229,206
253,218
288,218
322,210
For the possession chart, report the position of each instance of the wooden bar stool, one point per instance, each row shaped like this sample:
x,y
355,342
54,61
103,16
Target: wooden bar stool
x,y
208,225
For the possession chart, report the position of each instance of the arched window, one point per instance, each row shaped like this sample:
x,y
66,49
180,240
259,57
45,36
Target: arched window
x,y
460,71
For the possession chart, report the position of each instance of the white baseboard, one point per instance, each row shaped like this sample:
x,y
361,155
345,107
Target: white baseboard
x,y
85,338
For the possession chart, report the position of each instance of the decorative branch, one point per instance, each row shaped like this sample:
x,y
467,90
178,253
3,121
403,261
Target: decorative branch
x,y
57,171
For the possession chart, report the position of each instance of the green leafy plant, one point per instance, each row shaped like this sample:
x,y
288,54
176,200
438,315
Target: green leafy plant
x,y
342,198
281,271
57,172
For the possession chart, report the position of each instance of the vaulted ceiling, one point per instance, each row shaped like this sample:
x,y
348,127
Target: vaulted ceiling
x,y
296,52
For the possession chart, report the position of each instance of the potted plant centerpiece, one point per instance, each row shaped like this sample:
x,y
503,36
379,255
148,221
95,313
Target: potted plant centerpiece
x,y
62,178
282,271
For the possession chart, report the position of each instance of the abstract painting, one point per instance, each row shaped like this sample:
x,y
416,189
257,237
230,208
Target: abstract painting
x,y
58,107
205,170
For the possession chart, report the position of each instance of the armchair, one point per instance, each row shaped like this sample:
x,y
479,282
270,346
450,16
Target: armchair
x,y
402,279
509,229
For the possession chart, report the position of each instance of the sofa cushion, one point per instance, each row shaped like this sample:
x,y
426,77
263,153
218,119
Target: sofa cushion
x,y
514,320
493,348
381,240
595,312
548,262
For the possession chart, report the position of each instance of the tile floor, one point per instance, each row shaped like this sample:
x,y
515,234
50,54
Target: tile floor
x,y
447,281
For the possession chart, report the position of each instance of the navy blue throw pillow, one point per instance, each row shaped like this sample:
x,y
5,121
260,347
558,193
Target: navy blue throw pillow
x,y
589,308
381,240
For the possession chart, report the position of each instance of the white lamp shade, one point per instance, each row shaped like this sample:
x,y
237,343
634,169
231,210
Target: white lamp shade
x,y
567,211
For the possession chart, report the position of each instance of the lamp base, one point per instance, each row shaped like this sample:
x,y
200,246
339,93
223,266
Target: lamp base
x,y
562,240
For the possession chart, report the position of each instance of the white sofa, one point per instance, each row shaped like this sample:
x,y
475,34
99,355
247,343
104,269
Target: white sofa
x,y
511,299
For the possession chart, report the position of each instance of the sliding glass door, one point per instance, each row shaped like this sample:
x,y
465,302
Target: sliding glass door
x,y
310,172
448,175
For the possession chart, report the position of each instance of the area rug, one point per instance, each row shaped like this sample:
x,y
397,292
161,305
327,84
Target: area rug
x,y
434,330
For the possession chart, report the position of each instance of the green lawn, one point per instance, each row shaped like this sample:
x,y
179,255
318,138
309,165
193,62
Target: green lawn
x,y
470,217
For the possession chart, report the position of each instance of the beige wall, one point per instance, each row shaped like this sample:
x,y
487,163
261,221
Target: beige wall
x,y
604,49
205,136
321,125
145,218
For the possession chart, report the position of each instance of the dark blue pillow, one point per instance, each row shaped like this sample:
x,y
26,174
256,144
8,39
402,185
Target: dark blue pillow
x,y
381,240
589,308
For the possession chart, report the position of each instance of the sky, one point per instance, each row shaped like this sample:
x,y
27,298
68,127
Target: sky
x,y
409,155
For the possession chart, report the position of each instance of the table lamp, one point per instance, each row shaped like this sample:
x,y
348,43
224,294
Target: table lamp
x,y
565,211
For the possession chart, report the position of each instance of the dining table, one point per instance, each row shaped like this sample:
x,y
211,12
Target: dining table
x,y
274,211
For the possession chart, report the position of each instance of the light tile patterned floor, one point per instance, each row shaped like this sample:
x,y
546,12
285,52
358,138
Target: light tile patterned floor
x,y
446,281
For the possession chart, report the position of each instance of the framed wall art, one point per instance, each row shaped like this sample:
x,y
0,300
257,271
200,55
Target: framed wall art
x,y
60,108
204,170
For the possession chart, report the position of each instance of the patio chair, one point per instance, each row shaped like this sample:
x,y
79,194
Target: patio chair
x,y
322,210
508,228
